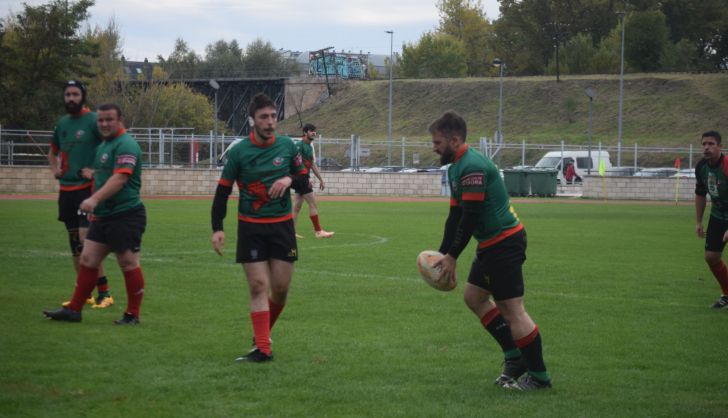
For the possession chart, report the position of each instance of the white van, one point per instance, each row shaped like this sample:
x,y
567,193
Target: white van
x,y
560,161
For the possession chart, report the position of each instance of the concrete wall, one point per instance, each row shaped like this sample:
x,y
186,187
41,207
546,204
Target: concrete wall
x,y
637,188
189,182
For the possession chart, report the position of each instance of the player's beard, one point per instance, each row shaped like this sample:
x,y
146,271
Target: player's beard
x,y
264,134
73,108
447,156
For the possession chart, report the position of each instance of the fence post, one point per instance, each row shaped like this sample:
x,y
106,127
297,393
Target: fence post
x,y
210,148
161,147
523,152
635,157
318,158
403,151
691,157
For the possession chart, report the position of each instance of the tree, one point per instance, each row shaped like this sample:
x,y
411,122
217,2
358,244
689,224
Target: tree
x,y
161,102
704,24
607,58
106,65
646,40
436,55
261,60
524,35
576,56
182,63
223,59
42,49
466,21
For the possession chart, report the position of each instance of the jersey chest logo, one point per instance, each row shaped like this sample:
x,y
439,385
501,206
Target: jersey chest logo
x,y
104,158
80,133
277,161
712,184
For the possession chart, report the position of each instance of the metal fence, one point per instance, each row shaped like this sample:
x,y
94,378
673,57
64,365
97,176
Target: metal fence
x,y
181,147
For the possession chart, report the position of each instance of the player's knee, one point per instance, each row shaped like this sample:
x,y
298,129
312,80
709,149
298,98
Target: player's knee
x,y
279,293
74,241
712,258
88,261
475,300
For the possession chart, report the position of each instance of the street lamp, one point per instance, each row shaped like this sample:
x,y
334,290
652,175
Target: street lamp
x,y
389,118
214,84
621,90
501,65
591,94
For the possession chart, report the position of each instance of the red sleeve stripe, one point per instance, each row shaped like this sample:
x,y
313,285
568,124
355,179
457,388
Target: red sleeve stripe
x,y
480,196
453,202
123,170
54,148
225,183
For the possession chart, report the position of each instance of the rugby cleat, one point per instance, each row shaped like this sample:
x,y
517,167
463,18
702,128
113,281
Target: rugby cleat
x,y
324,234
127,319
103,302
254,356
63,314
721,303
512,370
299,236
528,383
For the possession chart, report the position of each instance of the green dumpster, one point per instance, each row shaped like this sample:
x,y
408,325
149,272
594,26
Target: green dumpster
x,y
516,182
542,181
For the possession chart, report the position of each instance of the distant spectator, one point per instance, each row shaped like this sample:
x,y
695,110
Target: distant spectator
x,y
570,174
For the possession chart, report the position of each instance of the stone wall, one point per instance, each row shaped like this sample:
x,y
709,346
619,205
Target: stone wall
x,y
638,188
189,182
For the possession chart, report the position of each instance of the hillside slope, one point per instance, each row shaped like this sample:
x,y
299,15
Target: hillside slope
x,y
658,109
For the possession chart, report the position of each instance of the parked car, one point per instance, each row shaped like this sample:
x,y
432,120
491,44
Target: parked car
x,y
582,163
688,173
328,164
385,169
656,172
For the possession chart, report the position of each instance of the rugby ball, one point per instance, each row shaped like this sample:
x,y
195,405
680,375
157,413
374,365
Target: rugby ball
x,y
431,275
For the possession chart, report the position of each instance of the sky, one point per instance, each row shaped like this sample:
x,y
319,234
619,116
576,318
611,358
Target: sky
x,y
150,27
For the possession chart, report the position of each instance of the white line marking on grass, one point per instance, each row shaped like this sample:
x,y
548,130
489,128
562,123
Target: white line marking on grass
x,y
376,240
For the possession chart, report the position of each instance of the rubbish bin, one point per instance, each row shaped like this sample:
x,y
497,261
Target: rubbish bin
x,y
543,182
516,182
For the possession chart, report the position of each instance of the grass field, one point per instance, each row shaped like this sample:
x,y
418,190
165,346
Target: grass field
x,y
620,293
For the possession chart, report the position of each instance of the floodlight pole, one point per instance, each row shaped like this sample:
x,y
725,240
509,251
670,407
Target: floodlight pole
x,y
621,15
389,117
501,65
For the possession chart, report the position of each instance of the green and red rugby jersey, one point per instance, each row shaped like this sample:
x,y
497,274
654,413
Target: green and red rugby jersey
x,y
306,151
75,138
475,178
120,154
255,165
713,180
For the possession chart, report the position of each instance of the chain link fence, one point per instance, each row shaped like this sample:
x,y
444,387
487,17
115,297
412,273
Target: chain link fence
x,y
182,147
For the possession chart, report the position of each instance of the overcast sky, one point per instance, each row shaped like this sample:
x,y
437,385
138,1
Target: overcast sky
x,y
150,27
